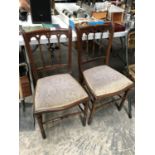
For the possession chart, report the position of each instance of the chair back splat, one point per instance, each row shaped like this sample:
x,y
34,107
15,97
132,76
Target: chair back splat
x,y
94,45
48,57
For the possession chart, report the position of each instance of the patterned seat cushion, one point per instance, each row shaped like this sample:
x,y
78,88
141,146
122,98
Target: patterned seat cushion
x,y
57,91
104,80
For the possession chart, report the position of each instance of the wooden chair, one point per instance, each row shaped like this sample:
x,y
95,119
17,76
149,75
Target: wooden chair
x,y
100,80
56,90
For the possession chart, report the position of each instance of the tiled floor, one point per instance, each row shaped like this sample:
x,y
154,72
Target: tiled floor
x,y
111,132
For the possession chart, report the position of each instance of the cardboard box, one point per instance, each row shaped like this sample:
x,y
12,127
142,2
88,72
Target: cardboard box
x,y
99,14
117,17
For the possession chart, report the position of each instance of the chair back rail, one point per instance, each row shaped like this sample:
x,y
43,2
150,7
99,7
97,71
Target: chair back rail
x,y
48,57
94,50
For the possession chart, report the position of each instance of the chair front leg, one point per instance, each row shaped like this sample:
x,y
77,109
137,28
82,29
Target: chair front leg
x,y
39,118
130,107
23,104
123,99
85,113
34,121
92,111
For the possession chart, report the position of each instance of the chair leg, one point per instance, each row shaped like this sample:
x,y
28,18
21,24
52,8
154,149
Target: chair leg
x,y
123,99
130,108
85,113
39,118
92,111
23,104
34,122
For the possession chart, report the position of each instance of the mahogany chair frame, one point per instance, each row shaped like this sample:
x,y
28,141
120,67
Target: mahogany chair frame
x,y
86,30
48,33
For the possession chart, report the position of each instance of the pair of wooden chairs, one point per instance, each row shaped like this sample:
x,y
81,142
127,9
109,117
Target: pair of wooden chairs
x,y
55,89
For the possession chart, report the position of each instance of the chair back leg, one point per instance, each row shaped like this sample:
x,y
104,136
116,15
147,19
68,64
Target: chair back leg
x,y
123,99
92,111
40,122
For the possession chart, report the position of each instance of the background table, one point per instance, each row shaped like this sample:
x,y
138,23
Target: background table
x,y
58,19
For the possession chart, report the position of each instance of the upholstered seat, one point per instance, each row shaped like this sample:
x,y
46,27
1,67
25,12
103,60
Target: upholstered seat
x,y
56,91
104,80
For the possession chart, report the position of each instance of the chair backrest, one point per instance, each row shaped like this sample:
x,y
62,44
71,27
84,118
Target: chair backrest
x,y
94,44
48,56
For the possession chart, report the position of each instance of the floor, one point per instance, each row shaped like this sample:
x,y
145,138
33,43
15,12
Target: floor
x,y
111,132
